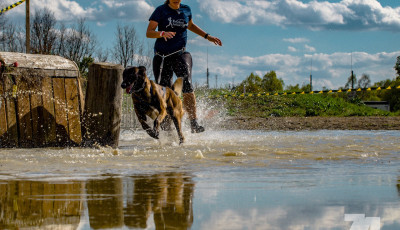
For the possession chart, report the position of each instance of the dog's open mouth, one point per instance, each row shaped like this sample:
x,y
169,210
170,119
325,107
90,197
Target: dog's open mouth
x,y
128,89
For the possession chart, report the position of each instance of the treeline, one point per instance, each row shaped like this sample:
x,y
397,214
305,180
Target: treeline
x,y
272,84
74,41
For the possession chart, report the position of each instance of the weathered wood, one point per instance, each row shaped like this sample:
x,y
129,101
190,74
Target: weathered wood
x,y
38,136
73,108
24,113
49,126
3,117
42,62
11,113
60,110
103,105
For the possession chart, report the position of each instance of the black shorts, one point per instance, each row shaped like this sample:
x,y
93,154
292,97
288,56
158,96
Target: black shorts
x,y
180,64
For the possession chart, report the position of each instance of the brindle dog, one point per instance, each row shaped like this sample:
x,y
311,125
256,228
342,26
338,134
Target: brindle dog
x,y
153,100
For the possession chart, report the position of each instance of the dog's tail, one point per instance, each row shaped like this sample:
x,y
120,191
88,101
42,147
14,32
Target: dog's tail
x,y
178,85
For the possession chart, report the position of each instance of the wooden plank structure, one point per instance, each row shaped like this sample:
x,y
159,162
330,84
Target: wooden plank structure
x,y
41,101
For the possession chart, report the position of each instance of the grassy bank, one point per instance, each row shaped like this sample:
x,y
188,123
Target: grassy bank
x,y
299,105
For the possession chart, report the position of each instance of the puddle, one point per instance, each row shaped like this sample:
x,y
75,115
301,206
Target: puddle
x,y
216,180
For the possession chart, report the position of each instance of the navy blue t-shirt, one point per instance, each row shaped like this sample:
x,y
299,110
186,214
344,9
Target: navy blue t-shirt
x,y
173,21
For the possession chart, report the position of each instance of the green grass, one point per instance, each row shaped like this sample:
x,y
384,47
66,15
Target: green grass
x,y
298,105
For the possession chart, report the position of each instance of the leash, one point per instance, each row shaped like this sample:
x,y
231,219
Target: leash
x,y
162,61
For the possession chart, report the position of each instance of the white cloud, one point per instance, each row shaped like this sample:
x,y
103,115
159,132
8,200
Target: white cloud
x,y
63,10
251,12
286,217
315,15
292,49
218,65
127,10
102,10
199,41
296,40
328,70
277,218
309,48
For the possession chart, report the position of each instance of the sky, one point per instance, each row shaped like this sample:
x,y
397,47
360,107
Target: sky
x,y
294,38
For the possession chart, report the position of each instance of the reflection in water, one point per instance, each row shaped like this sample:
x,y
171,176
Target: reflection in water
x,y
105,203
109,203
244,180
168,196
398,186
32,204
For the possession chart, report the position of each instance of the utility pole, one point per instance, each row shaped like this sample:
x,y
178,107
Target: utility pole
x,y
28,27
208,73
311,77
352,74
216,81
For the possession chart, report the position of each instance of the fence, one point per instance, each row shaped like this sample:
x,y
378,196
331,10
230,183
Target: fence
x,y
129,120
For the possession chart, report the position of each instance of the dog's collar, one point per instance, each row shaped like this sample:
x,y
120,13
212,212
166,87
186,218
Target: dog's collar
x,y
133,90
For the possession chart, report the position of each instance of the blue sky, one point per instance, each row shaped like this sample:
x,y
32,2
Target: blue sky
x,y
260,36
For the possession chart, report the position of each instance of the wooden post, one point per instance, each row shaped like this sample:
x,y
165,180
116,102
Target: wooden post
x,y
103,105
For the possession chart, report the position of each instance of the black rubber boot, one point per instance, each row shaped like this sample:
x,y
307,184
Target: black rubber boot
x,y
196,128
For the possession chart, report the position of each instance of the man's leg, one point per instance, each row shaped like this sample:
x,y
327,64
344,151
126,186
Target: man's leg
x,y
189,103
183,68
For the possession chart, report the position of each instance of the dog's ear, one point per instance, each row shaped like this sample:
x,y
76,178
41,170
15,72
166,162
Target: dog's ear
x,y
142,70
127,71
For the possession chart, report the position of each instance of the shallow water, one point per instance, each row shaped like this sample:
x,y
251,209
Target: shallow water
x,y
216,180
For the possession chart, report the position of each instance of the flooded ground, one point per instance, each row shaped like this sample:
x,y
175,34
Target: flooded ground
x,y
216,180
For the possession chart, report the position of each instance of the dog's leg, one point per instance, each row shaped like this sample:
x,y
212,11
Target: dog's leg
x,y
176,115
159,120
178,127
142,119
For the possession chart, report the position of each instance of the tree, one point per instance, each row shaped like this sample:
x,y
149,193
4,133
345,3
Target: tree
x,y
251,84
84,66
384,83
126,45
12,38
306,88
297,88
43,38
59,47
397,66
102,55
293,88
351,81
393,95
3,23
364,81
270,82
79,42
143,57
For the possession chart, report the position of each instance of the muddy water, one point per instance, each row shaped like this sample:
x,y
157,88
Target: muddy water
x,y
216,180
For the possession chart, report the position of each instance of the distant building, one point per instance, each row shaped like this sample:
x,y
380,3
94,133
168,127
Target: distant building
x,y
383,105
